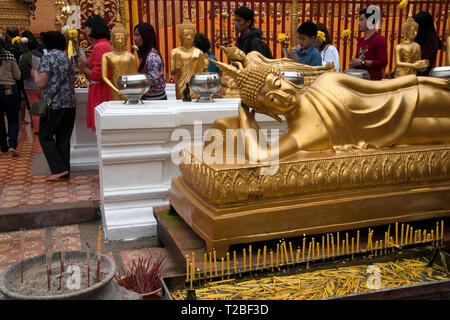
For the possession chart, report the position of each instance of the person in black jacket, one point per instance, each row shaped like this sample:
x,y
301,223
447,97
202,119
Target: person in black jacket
x,y
249,37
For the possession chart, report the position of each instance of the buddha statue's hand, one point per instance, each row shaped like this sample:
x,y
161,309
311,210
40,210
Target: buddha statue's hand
x,y
421,65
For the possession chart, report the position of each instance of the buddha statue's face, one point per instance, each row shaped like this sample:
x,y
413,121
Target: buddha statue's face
x,y
119,41
278,95
410,33
236,55
187,37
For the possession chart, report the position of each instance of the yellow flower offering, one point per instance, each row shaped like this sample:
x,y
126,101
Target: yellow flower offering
x,y
14,40
73,33
321,36
346,33
403,4
281,37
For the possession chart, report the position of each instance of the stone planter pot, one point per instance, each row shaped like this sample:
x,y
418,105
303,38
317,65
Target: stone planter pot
x,y
103,290
154,295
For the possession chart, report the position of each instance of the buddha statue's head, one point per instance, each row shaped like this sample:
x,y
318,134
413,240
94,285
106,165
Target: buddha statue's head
x,y
234,53
264,89
119,37
186,33
409,29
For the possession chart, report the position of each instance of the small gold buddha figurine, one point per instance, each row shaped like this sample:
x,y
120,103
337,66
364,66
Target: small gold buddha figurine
x,y
339,111
186,60
241,60
117,62
408,52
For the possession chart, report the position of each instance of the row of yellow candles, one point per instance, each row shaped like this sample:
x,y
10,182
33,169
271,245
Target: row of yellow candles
x,y
282,253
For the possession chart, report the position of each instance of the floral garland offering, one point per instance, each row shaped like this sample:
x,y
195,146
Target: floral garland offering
x,y
321,36
346,33
403,4
283,39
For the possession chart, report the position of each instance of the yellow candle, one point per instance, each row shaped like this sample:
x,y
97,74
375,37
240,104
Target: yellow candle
x,y
337,244
313,248
234,257
228,263
442,231
257,259
353,243
245,259
250,258
343,247
389,233
187,269
381,247
424,235
357,241
318,251
271,259
328,245
396,233
401,235
282,253
332,245
376,247
323,247
285,252
215,263
415,236
309,250
193,259
264,256
411,235
346,241
406,234
192,274
368,241
303,248
432,235
223,265
204,265
292,252
99,239
297,256
210,265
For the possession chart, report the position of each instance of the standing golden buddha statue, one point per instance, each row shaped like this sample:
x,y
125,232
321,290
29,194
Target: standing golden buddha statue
x,y
408,52
186,60
117,62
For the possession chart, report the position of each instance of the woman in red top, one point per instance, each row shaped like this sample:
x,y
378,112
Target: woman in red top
x,y
98,33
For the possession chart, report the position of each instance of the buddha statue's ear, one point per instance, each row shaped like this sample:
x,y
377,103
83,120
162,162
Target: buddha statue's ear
x,y
227,69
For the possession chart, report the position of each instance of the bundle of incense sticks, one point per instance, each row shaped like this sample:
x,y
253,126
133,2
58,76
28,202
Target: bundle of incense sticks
x,y
99,248
314,252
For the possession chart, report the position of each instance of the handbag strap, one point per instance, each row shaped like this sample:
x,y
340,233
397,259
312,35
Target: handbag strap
x,y
59,87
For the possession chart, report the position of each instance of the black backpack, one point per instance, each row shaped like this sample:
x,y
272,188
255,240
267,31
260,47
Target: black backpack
x,y
24,67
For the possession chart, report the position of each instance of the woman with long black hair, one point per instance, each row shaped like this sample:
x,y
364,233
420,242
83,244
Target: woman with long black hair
x,y
150,61
428,40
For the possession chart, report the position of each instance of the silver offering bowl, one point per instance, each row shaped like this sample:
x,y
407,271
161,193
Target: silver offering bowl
x,y
360,73
205,84
133,86
294,77
440,72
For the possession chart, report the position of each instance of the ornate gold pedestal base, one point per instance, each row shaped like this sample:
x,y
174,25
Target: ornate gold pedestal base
x,y
420,191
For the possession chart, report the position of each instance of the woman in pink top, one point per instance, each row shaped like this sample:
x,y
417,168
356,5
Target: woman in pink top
x,y
98,33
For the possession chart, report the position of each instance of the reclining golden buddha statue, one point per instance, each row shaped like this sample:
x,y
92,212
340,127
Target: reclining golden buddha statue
x,y
340,111
356,153
240,60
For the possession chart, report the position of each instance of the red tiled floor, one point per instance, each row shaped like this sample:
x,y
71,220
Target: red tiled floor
x,y
20,188
10,252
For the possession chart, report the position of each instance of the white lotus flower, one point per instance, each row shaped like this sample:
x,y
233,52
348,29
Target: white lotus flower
x,y
24,40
